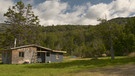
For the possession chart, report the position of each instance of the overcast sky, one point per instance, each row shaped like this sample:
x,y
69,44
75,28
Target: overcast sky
x,y
84,12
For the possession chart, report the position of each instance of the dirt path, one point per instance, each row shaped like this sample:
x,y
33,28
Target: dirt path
x,y
125,70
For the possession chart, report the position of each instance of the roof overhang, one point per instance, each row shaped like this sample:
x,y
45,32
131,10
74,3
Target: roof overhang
x,y
33,45
59,51
41,51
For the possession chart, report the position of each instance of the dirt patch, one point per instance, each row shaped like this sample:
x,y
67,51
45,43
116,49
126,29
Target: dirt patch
x,y
125,70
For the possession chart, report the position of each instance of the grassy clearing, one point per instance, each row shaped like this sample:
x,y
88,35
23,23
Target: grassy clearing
x,y
71,68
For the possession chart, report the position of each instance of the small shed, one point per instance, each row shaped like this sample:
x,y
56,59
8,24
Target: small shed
x,y
31,54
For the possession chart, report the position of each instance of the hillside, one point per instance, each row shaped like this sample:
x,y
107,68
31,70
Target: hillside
x,y
78,40
62,28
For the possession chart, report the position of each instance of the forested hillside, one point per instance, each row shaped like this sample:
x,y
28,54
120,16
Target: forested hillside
x,y
78,40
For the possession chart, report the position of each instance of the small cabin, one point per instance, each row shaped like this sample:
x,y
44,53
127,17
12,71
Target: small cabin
x,y
31,54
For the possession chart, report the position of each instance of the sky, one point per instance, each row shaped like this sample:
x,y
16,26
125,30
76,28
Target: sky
x,y
75,12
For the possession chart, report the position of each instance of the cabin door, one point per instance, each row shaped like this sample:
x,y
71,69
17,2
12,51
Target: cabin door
x,y
41,57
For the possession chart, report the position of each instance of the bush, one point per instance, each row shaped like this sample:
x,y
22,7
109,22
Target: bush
x,y
104,55
132,54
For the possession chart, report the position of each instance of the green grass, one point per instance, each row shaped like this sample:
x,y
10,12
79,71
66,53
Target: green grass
x,y
60,69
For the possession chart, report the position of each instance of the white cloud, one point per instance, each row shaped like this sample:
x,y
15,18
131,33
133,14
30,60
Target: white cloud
x,y
4,5
50,12
121,8
53,12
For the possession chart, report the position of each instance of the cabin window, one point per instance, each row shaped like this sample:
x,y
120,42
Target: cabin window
x,y
21,54
57,56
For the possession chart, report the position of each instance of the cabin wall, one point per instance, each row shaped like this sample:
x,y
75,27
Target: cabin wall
x,y
56,57
47,59
6,57
29,54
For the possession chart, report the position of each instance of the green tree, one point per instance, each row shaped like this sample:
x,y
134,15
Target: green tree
x,y
110,32
21,15
23,24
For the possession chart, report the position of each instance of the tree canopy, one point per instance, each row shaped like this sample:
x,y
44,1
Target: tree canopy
x,y
22,25
21,15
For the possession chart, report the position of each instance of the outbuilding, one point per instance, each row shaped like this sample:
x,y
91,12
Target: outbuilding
x,y
31,54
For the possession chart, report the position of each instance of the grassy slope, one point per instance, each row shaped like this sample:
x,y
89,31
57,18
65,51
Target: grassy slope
x,y
60,69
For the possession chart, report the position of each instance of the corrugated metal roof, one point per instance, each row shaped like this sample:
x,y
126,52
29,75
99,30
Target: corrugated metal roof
x,y
34,45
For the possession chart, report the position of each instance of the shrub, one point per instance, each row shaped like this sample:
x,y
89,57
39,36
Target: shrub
x,y
132,54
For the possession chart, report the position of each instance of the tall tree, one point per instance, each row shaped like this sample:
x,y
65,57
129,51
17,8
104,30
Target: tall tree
x,y
22,19
21,15
110,35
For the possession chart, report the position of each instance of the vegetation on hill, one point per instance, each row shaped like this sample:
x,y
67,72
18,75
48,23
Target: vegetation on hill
x,y
77,40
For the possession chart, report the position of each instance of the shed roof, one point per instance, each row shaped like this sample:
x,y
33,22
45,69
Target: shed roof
x,y
34,45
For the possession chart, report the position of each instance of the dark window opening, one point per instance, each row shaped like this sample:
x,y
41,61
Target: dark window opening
x,y
38,49
38,54
48,54
21,54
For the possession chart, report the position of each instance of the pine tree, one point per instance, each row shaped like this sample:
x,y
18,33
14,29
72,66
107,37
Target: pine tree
x,y
21,15
22,23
